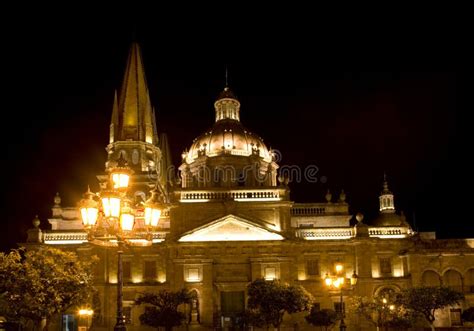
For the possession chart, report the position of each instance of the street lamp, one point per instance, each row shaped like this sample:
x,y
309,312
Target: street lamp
x,y
112,214
337,281
85,317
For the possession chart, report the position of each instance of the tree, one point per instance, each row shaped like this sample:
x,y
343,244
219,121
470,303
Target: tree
x,y
382,311
162,308
37,284
272,299
426,300
323,318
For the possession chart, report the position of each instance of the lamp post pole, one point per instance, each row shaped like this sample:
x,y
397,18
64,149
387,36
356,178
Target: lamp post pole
x,y
337,281
342,325
120,325
117,207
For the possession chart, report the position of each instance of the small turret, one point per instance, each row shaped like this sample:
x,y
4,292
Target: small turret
x,y
386,198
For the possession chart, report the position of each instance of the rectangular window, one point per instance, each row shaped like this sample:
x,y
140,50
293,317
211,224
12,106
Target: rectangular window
x,y
193,275
455,315
127,270
270,273
312,267
149,272
385,266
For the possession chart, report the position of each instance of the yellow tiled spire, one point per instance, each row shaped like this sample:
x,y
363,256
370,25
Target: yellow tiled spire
x,y
135,112
114,122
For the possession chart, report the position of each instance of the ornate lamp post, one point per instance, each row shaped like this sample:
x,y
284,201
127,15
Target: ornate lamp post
x,y
111,215
337,281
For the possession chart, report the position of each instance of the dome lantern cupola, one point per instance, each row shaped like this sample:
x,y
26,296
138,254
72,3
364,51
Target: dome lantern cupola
x,y
227,106
386,198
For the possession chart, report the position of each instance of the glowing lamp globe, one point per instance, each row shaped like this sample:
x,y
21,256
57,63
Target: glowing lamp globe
x,y
127,219
89,209
153,210
328,280
120,180
354,279
111,204
120,174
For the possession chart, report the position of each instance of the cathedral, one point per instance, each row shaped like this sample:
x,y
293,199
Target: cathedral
x,y
229,219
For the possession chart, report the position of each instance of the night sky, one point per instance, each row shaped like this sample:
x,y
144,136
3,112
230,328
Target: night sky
x,y
353,101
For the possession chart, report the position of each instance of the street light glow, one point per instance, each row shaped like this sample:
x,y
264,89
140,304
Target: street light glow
x,y
86,312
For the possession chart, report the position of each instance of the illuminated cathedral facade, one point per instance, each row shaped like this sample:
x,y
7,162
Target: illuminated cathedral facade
x,y
230,220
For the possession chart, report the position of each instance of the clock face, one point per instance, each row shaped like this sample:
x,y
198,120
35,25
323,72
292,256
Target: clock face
x,y
135,156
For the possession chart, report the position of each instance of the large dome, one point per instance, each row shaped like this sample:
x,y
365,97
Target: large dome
x,y
228,155
227,137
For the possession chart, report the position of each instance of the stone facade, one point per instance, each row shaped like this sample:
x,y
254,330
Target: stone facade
x,y
222,232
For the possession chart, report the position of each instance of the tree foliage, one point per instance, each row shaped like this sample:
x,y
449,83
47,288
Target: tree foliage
x,y
382,313
162,308
272,299
383,310
40,283
426,300
323,318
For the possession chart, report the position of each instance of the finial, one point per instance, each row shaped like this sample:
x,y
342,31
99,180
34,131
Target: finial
x,y
328,196
359,217
57,200
342,196
385,183
89,194
226,77
36,221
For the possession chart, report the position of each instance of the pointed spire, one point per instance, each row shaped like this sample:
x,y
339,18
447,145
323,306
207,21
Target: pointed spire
x,y
155,129
114,122
385,184
134,105
149,119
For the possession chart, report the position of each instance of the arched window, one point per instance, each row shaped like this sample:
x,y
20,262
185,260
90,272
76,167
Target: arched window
x,y
453,280
430,278
469,281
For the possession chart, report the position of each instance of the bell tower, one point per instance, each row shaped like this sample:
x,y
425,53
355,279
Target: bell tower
x,y
133,133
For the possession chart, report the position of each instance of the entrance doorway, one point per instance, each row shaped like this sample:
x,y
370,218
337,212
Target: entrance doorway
x,y
232,305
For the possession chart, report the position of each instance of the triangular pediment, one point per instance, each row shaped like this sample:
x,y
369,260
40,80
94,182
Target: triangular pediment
x,y
230,228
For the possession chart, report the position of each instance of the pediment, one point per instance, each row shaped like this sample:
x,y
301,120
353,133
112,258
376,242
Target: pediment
x,y
230,228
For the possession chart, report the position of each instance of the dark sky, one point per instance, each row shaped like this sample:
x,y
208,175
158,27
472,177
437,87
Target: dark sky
x,y
354,101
